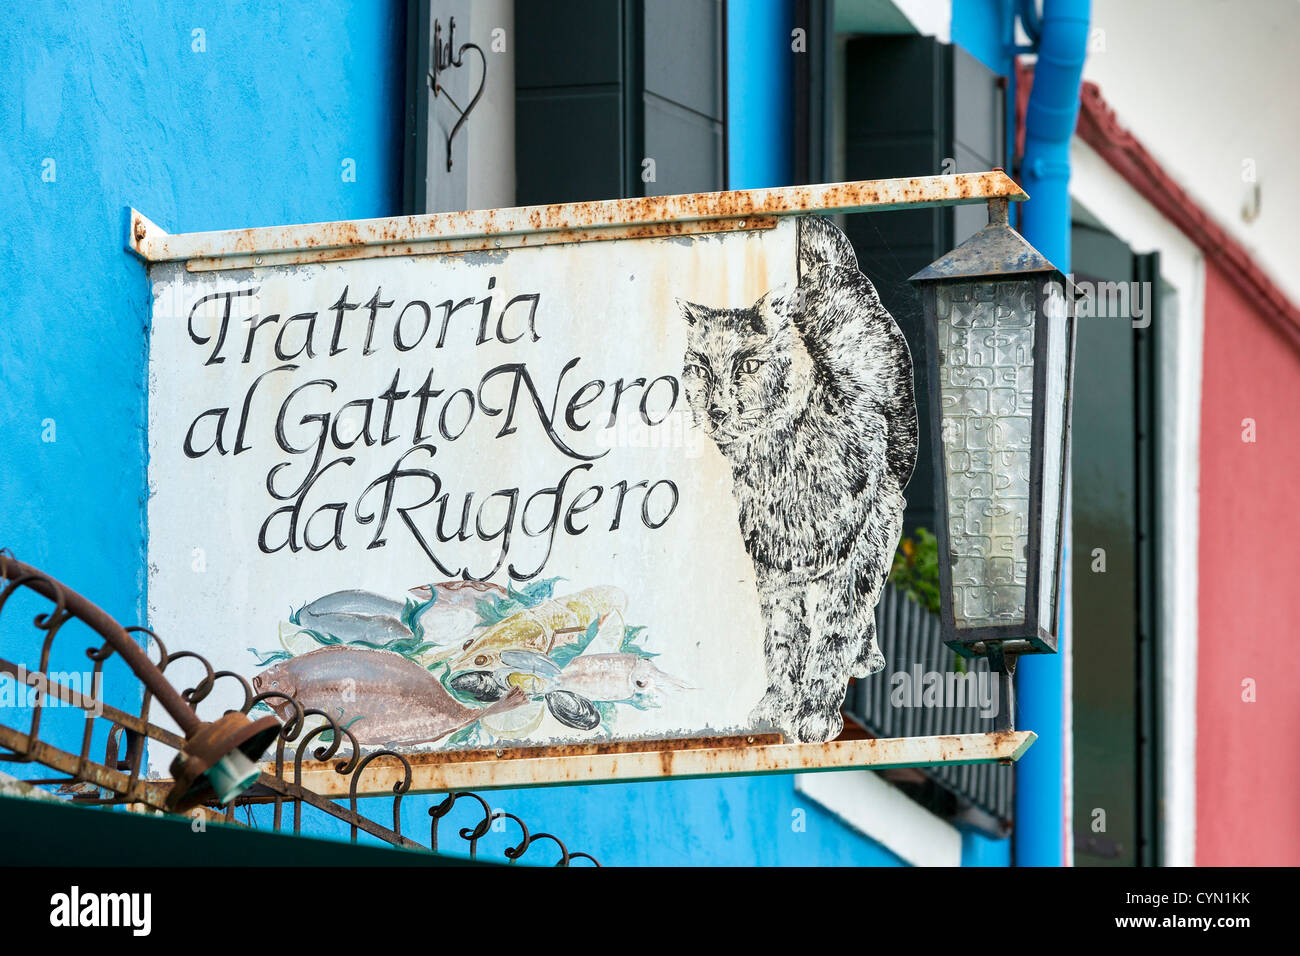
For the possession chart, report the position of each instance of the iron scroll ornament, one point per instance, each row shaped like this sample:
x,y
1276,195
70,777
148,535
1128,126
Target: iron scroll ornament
x,y
121,778
444,60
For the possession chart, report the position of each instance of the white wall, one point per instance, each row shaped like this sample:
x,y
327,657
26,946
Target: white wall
x,y
483,152
1207,85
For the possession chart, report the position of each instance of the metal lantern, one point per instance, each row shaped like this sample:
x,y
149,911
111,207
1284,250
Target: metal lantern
x,y
1000,349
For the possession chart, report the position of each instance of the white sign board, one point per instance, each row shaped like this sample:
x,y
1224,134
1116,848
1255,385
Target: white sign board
x,y
600,490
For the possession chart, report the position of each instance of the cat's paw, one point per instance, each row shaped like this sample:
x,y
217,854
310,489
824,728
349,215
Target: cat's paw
x,y
819,728
869,662
771,710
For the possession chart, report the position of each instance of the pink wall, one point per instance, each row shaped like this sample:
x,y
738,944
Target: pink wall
x,y
1248,754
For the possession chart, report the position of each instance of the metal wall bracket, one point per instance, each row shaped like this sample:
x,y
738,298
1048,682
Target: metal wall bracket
x,y
1002,661
443,59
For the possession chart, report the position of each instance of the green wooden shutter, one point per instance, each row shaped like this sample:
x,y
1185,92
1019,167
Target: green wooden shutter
x,y
1115,664
602,85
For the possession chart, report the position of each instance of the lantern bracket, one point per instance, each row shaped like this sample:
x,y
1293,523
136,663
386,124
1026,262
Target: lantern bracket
x,y
1002,661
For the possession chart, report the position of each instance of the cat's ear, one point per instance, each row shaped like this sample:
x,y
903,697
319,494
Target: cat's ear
x,y
773,308
691,312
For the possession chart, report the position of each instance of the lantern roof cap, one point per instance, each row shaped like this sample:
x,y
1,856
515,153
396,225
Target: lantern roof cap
x,y
996,250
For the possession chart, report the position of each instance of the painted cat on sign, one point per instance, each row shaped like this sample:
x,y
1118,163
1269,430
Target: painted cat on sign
x,y
808,394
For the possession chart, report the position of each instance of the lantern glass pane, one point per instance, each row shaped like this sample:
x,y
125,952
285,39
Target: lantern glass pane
x,y
1053,451
986,391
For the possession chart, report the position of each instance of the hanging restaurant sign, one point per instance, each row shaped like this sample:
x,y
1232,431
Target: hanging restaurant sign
x,y
611,472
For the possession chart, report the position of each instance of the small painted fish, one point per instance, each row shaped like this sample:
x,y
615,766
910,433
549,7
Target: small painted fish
x,y
542,629
393,701
459,593
615,677
356,616
603,677
453,614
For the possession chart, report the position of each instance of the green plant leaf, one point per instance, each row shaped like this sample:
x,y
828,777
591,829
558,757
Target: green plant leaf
x,y
412,610
563,655
491,610
466,735
494,610
326,640
269,657
607,712
629,644
534,593
917,574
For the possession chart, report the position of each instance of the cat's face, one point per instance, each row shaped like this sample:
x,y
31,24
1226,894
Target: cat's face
x,y
735,368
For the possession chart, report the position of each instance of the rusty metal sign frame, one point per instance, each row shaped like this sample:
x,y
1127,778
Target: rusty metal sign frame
x,y
443,233
476,230
517,768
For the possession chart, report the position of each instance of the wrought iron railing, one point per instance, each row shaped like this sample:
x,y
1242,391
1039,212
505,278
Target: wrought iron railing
x,y
35,733
890,705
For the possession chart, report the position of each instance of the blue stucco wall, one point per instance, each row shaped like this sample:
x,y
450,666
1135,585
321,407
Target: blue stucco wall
x,y
740,821
983,28
250,132
109,105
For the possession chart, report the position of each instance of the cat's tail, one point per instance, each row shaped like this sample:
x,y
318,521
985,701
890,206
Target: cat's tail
x,y
821,243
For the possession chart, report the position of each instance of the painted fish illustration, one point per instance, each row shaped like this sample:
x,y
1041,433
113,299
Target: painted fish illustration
x,y
569,693
458,593
542,629
618,677
453,613
356,616
393,700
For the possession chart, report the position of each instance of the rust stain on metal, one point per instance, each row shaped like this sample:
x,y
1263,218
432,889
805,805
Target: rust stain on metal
x,y
581,217
666,745
710,757
329,252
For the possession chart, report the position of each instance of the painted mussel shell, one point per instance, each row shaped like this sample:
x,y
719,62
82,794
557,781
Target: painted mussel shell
x,y
481,685
572,711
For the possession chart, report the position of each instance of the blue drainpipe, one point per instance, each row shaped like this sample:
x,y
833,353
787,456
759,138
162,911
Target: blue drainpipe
x,y
760,94
1049,124
1042,818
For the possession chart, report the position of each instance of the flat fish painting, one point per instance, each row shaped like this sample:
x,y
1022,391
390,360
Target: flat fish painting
x,y
808,395
382,697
